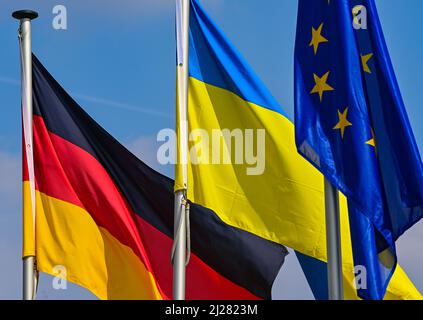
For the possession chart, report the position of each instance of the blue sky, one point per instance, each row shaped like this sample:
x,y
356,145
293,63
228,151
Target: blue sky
x,y
117,59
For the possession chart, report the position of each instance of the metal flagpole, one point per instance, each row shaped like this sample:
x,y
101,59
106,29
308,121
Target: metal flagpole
x,y
333,241
181,229
25,17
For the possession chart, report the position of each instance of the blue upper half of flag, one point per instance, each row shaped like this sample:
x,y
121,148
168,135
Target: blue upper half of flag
x,y
352,125
214,60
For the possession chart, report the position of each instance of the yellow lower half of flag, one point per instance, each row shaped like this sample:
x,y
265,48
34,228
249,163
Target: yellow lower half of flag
x,y
285,204
67,236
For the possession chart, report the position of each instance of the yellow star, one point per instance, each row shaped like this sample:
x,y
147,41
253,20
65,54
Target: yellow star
x,y
372,141
364,61
321,85
343,122
317,38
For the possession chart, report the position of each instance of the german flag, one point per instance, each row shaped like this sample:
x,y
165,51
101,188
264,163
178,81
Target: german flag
x,y
108,218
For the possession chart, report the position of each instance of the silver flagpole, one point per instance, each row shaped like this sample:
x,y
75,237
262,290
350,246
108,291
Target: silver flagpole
x,y
333,241
25,17
179,250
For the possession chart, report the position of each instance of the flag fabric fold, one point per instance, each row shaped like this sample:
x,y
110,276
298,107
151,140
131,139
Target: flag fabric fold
x,y
351,124
108,218
283,203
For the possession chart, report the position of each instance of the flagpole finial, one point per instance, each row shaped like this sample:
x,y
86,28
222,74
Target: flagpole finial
x,y
25,14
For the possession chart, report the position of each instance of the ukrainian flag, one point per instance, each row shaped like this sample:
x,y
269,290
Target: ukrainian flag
x,y
285,202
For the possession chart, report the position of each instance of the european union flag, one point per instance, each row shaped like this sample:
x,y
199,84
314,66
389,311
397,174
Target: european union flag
x,y
352,125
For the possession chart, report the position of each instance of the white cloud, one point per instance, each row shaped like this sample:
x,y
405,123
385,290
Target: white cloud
x,y
10,225
10,182
145,148
291,284
410,254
